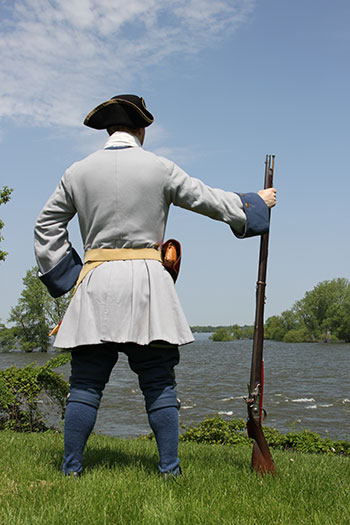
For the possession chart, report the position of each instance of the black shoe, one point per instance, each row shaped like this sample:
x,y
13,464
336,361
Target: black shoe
x,y
73,475
167,476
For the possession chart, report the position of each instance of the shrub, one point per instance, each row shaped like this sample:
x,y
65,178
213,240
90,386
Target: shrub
x,y
222,334
216,430
307,441
25,392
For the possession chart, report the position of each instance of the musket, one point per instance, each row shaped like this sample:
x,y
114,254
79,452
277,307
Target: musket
x,y
262,461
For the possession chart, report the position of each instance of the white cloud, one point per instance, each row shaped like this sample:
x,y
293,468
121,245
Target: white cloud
x,y
54,50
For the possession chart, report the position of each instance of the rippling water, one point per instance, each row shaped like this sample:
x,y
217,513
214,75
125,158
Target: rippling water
x,y
306,386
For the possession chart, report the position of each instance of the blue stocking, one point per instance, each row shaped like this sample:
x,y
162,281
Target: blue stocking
x,y
165,424
79,422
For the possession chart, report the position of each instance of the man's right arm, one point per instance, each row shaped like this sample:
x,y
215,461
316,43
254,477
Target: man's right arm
x,y
246,213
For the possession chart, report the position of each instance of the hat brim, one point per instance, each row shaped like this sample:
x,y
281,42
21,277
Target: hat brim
x,y
117,111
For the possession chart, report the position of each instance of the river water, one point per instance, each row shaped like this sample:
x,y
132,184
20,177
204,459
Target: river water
x,y
306,386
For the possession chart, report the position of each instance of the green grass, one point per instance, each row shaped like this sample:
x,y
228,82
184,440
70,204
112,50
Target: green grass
x,y
121,486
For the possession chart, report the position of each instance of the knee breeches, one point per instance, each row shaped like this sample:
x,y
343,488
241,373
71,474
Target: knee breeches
x,y
92,366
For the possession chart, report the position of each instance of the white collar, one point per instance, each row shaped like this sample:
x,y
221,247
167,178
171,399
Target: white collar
x,y
121,139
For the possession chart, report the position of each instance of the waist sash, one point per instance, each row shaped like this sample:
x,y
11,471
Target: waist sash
x,y
94,258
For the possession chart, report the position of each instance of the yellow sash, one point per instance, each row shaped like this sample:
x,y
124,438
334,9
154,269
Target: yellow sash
x,y
94,258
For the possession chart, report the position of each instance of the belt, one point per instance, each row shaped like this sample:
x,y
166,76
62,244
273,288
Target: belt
x,y
94,258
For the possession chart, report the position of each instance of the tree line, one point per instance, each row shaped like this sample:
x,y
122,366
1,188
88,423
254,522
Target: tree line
x,y
323,314
232,333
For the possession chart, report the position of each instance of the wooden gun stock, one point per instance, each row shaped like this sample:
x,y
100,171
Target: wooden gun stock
x,y
262,461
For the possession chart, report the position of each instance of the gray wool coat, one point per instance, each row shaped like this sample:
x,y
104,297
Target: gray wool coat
x,y
122,196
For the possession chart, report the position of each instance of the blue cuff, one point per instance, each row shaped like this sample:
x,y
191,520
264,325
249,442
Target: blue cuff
x,y
62,277
164,398
90,396
257,213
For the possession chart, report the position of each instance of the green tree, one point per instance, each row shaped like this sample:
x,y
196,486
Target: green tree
x,y
277,326
8,338
325,308
36,313
237,331
322,314
247,332
5,195
338,318
274,328
222,334
297,335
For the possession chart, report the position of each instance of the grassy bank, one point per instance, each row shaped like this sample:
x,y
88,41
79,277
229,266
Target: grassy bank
x,y
121,486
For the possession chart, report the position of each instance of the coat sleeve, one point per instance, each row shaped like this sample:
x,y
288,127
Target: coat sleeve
x,y
246,213
59,264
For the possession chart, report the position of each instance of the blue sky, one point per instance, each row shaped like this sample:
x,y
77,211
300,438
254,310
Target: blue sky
x,y
228,82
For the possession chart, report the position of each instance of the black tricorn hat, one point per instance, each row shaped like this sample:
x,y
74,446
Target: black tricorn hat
x,y
122,110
